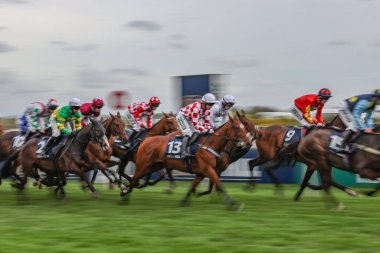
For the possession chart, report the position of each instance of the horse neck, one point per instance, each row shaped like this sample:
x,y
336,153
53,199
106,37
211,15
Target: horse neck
x,y
157,129
218,140
82,139
107,126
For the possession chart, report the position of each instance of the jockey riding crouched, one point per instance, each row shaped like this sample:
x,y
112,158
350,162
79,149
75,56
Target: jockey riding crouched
x,y
307,103
193,119
91,110
135,114
36,114
351,111
220,110
60,123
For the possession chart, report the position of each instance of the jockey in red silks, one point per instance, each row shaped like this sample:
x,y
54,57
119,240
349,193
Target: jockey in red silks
x,y
135,114
305,104
91,110
195,118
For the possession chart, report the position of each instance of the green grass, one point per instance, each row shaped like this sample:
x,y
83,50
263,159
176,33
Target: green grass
x,y
154,222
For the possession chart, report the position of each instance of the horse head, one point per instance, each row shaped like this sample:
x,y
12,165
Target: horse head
x,y
247,123
97,131
165,125
238,132
115,126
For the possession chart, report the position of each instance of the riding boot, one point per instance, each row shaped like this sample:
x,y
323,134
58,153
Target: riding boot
x,y
345,137
128,145
48,146
186,147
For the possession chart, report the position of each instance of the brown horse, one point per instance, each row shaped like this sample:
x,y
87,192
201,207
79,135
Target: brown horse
x,y
151,156
69,158
166,124
7,154
98,156
365,161
269,142
232,151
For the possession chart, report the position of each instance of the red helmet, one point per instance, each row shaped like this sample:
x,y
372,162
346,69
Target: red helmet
x,y
154,100
324,93
97,102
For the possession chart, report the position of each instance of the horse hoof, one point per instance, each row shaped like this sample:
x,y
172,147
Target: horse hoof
x,y
95,194
169,191
351,193
185,202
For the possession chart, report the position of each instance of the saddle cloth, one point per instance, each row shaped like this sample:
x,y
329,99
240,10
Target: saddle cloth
x,y
174,148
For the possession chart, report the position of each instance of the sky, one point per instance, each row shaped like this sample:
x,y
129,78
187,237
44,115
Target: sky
x,y
272,50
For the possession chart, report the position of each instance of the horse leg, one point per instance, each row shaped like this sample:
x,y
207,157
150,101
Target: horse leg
x,y
372,192
230,203
208,191
186,201
275,164
309,172
325,172
252,164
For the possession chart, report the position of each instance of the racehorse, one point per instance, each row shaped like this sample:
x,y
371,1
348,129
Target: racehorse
x,y
269,142
99,157
166,124
232,151
313,150
69,158
151,156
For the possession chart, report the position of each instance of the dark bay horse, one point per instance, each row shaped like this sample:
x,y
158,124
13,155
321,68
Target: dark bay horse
x,y
98,156
69,159
151,156
365,160
166,124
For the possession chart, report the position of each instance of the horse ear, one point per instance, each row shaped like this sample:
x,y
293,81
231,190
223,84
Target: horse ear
x,y
118,114
243,112
112,115
165,115
238,114
171,114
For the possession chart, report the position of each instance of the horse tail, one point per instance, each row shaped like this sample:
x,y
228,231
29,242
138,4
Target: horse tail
x,y
5,167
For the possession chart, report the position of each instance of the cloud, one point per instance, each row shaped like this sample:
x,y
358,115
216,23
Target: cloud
x,y
94,79
77,48
376,43
177,36
7,77
129,71
177,45
236,63
58,42
2,28
14,2
338,43
5,48
87,47
144,25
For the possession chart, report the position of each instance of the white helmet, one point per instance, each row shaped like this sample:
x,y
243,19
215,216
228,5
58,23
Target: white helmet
x,y
75,102
228,99
209,98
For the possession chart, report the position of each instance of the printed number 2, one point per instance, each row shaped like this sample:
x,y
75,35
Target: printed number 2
x,y
289,135
174,147
40,146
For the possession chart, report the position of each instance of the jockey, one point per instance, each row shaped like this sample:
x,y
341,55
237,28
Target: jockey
x,y
351,111
60,123
303,105
220,110
91,110
195,118
135,113
36,114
